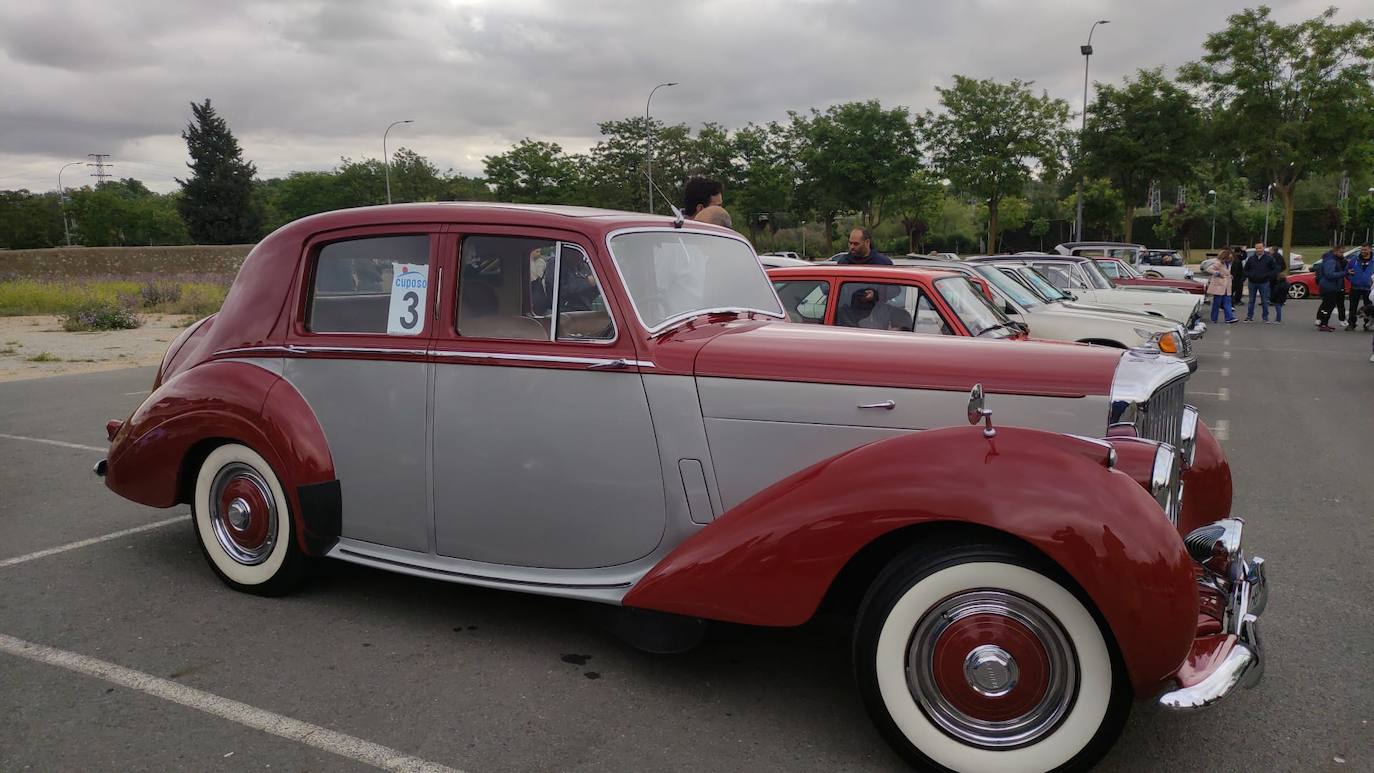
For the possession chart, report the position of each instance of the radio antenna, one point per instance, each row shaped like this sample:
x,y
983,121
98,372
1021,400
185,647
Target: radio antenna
x,y
678,217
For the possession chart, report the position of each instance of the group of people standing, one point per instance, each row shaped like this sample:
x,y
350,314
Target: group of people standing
x,y
1333,273
1228,272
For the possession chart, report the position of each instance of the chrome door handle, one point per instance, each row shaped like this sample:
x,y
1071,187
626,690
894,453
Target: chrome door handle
x,y
886,405
609,364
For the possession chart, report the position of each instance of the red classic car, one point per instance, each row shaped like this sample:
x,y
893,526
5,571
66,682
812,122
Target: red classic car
x,y
606,406
1304,285
1125,275
891,298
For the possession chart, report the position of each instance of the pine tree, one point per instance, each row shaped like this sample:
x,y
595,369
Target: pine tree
x,y
216,202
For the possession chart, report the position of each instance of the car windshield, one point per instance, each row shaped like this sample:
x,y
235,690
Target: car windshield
x,y
674,275
1017,292
1042,285
973,308
1096,279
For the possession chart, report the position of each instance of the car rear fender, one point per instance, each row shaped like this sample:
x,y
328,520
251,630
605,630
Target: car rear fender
x,y
154,456
770,560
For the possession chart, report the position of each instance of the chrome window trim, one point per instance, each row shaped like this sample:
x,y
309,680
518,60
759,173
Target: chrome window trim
x,y
557,288
503,356
554,358
671,321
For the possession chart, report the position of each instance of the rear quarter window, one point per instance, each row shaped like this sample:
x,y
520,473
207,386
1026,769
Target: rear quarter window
x,y
370,285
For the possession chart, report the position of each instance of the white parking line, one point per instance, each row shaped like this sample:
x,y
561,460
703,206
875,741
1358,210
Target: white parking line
x,y
85,542
1222,394
61,443
306,733
1221,429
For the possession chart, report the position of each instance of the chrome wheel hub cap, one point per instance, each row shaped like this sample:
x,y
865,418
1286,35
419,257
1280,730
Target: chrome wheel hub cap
x,y
243,514
990,670
239,513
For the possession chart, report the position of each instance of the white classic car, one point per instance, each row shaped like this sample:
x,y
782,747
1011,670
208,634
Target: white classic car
x,y
1146,261
1048,317
1081,277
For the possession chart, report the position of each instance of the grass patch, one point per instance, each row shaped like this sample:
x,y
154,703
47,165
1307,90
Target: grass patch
x,y
9,350
200,295
43,357
98,315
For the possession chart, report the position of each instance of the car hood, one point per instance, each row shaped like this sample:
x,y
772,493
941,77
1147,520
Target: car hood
x,y
1149,298
781,351
1087,312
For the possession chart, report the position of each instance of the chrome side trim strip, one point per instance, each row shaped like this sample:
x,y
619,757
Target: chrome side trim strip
x,y
589,361
502,356
438,573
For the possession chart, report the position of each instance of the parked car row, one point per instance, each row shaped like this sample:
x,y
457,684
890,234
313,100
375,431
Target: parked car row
x,y
615,407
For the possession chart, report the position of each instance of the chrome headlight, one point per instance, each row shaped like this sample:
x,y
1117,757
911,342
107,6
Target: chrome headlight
x,y
1167,342
1166,481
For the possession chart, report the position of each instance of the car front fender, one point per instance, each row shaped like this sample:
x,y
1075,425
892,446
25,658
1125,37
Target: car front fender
x,y
770,560
1206,484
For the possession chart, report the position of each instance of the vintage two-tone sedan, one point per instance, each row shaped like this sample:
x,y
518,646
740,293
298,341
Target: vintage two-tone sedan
x,y
608,406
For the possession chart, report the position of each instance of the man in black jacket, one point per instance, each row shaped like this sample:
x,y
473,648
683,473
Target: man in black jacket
x,y
1260,269
1237,275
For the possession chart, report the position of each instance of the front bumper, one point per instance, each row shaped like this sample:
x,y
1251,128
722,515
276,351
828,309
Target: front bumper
x,y
1227,652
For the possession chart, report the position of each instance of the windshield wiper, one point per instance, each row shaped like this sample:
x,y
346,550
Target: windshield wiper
x,y
998,326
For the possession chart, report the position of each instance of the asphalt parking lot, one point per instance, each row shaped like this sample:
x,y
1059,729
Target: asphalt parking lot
x,y
127,654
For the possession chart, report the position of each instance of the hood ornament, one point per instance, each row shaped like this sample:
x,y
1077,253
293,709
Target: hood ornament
x,y
977,412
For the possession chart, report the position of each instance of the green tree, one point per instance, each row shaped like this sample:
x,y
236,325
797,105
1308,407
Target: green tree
x,y
217,201
860,154
29,220
1147,129
917,204
1292,100
1103,207
125,213
413,177
765,179
988,137
532,172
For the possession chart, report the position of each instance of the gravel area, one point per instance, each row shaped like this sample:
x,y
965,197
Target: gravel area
x,y
35,347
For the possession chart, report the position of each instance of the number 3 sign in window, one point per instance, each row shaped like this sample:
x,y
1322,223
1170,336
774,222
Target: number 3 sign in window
x,y
409,292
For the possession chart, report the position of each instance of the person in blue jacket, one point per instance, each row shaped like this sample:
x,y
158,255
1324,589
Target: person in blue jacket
x,y
1260,269
1360,272
1331,283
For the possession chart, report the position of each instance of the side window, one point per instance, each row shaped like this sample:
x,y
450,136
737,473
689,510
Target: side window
x,y
1057,275
928,320
1110,268
804,300
877,306
499,295
510,286
582,312
371,285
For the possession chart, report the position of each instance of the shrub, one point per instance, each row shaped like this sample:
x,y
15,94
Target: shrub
x,y
43,357
200,299
156,292
100,315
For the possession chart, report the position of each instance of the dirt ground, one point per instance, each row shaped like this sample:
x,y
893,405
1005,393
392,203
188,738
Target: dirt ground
x,y
34,347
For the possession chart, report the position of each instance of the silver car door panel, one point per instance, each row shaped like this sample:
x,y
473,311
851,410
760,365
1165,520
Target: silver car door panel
x,y
374,419
676,409
544,467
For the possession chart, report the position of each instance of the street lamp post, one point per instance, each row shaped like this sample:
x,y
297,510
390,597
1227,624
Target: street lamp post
x,y
649,145
386,160
62,201
1087,51
803,252
1213,194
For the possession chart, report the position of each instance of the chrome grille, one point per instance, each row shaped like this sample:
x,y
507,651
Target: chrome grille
x,y
1161,417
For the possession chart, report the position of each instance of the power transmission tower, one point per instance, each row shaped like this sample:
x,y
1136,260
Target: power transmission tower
x,y
100,164
1155,203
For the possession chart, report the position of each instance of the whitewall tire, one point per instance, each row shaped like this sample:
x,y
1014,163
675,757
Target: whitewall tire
x,y
243,522
976,659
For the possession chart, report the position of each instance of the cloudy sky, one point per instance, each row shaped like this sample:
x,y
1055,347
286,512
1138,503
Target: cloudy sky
x,y
303,83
